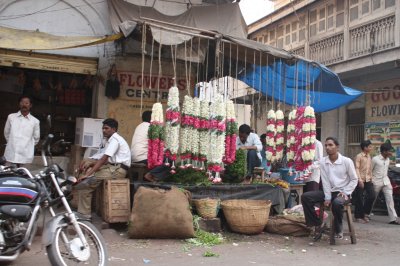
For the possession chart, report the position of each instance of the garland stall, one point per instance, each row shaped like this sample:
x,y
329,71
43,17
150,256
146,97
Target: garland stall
x,y
156,137
217,138
172,127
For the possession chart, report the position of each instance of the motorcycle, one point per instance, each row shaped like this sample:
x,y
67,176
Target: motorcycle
x,y
68,237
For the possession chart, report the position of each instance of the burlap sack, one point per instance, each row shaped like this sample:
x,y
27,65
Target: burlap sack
x,y
161,213
282,226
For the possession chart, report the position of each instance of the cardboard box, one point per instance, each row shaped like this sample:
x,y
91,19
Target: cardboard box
x,y
88,132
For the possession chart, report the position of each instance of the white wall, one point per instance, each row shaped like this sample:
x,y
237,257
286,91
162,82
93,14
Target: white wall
x,y
66,18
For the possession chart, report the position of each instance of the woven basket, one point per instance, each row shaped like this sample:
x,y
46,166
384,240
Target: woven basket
x,y
246,216
207,208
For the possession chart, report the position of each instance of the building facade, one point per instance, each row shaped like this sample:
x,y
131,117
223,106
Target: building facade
x,y
360,41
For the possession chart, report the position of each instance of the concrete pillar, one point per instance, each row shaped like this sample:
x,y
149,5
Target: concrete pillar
x,y
100,101
397,25
346,32
333,124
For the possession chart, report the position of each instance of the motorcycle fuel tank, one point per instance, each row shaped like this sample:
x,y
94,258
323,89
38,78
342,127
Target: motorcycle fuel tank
x,y
17,189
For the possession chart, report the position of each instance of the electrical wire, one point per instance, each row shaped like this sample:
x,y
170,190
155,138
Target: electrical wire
x,y
41,11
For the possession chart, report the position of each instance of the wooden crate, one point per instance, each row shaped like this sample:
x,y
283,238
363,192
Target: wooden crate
x,y
113,200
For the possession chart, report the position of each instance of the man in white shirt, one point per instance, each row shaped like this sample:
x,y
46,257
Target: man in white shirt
x,y
251,142
139,145
22,133
380,179
339,179
114,163
312,183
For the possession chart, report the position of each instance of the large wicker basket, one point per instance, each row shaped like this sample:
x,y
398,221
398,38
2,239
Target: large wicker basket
x,y
207,208
246,216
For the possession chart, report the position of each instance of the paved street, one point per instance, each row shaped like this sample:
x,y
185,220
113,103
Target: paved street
x,y
378,244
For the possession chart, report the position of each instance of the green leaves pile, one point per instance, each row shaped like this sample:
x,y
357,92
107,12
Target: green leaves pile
x,y
237,170
188,176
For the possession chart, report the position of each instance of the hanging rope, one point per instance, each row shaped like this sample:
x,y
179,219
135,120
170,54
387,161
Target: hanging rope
x,y
230,66
151,62
236,71
143,57
186,72
284,88
266,87
190,64
198,64
260,87
273,84
159,72
173,58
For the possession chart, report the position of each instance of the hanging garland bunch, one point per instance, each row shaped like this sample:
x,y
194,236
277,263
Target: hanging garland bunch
x,y
279,137
308,137
156,137
195,135
231,130
298,148
291,138
186,128
270,137
204,134
217,138
172,126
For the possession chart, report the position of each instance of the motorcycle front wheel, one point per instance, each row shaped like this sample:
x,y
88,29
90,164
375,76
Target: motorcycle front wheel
x,y
66,246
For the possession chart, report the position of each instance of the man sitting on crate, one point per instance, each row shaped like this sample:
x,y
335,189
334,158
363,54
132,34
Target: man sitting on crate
x,y
114,163
339,179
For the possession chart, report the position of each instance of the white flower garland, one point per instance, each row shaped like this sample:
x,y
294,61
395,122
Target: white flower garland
x,y
204,145
270,137
217,137
308,140
157,113
172,126
186,129
195,134
279,138
291,138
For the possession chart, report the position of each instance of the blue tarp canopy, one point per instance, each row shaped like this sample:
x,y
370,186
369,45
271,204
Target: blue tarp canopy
x,y
295,83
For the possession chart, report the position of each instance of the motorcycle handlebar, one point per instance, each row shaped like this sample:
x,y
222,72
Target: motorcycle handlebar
x,y
47,141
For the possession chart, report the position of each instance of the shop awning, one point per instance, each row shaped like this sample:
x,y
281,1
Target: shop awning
x,y
34,40
299,83
225,18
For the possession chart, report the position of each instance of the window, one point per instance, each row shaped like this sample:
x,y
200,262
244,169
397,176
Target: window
x,y
302,28
321,26
339,13
362,8
330,16
376,4
280,36
365,7
313,22
389,3
287,34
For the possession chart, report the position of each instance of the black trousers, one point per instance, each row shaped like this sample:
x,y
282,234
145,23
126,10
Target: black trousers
x,y
312,198
363,202
311,186
252,161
